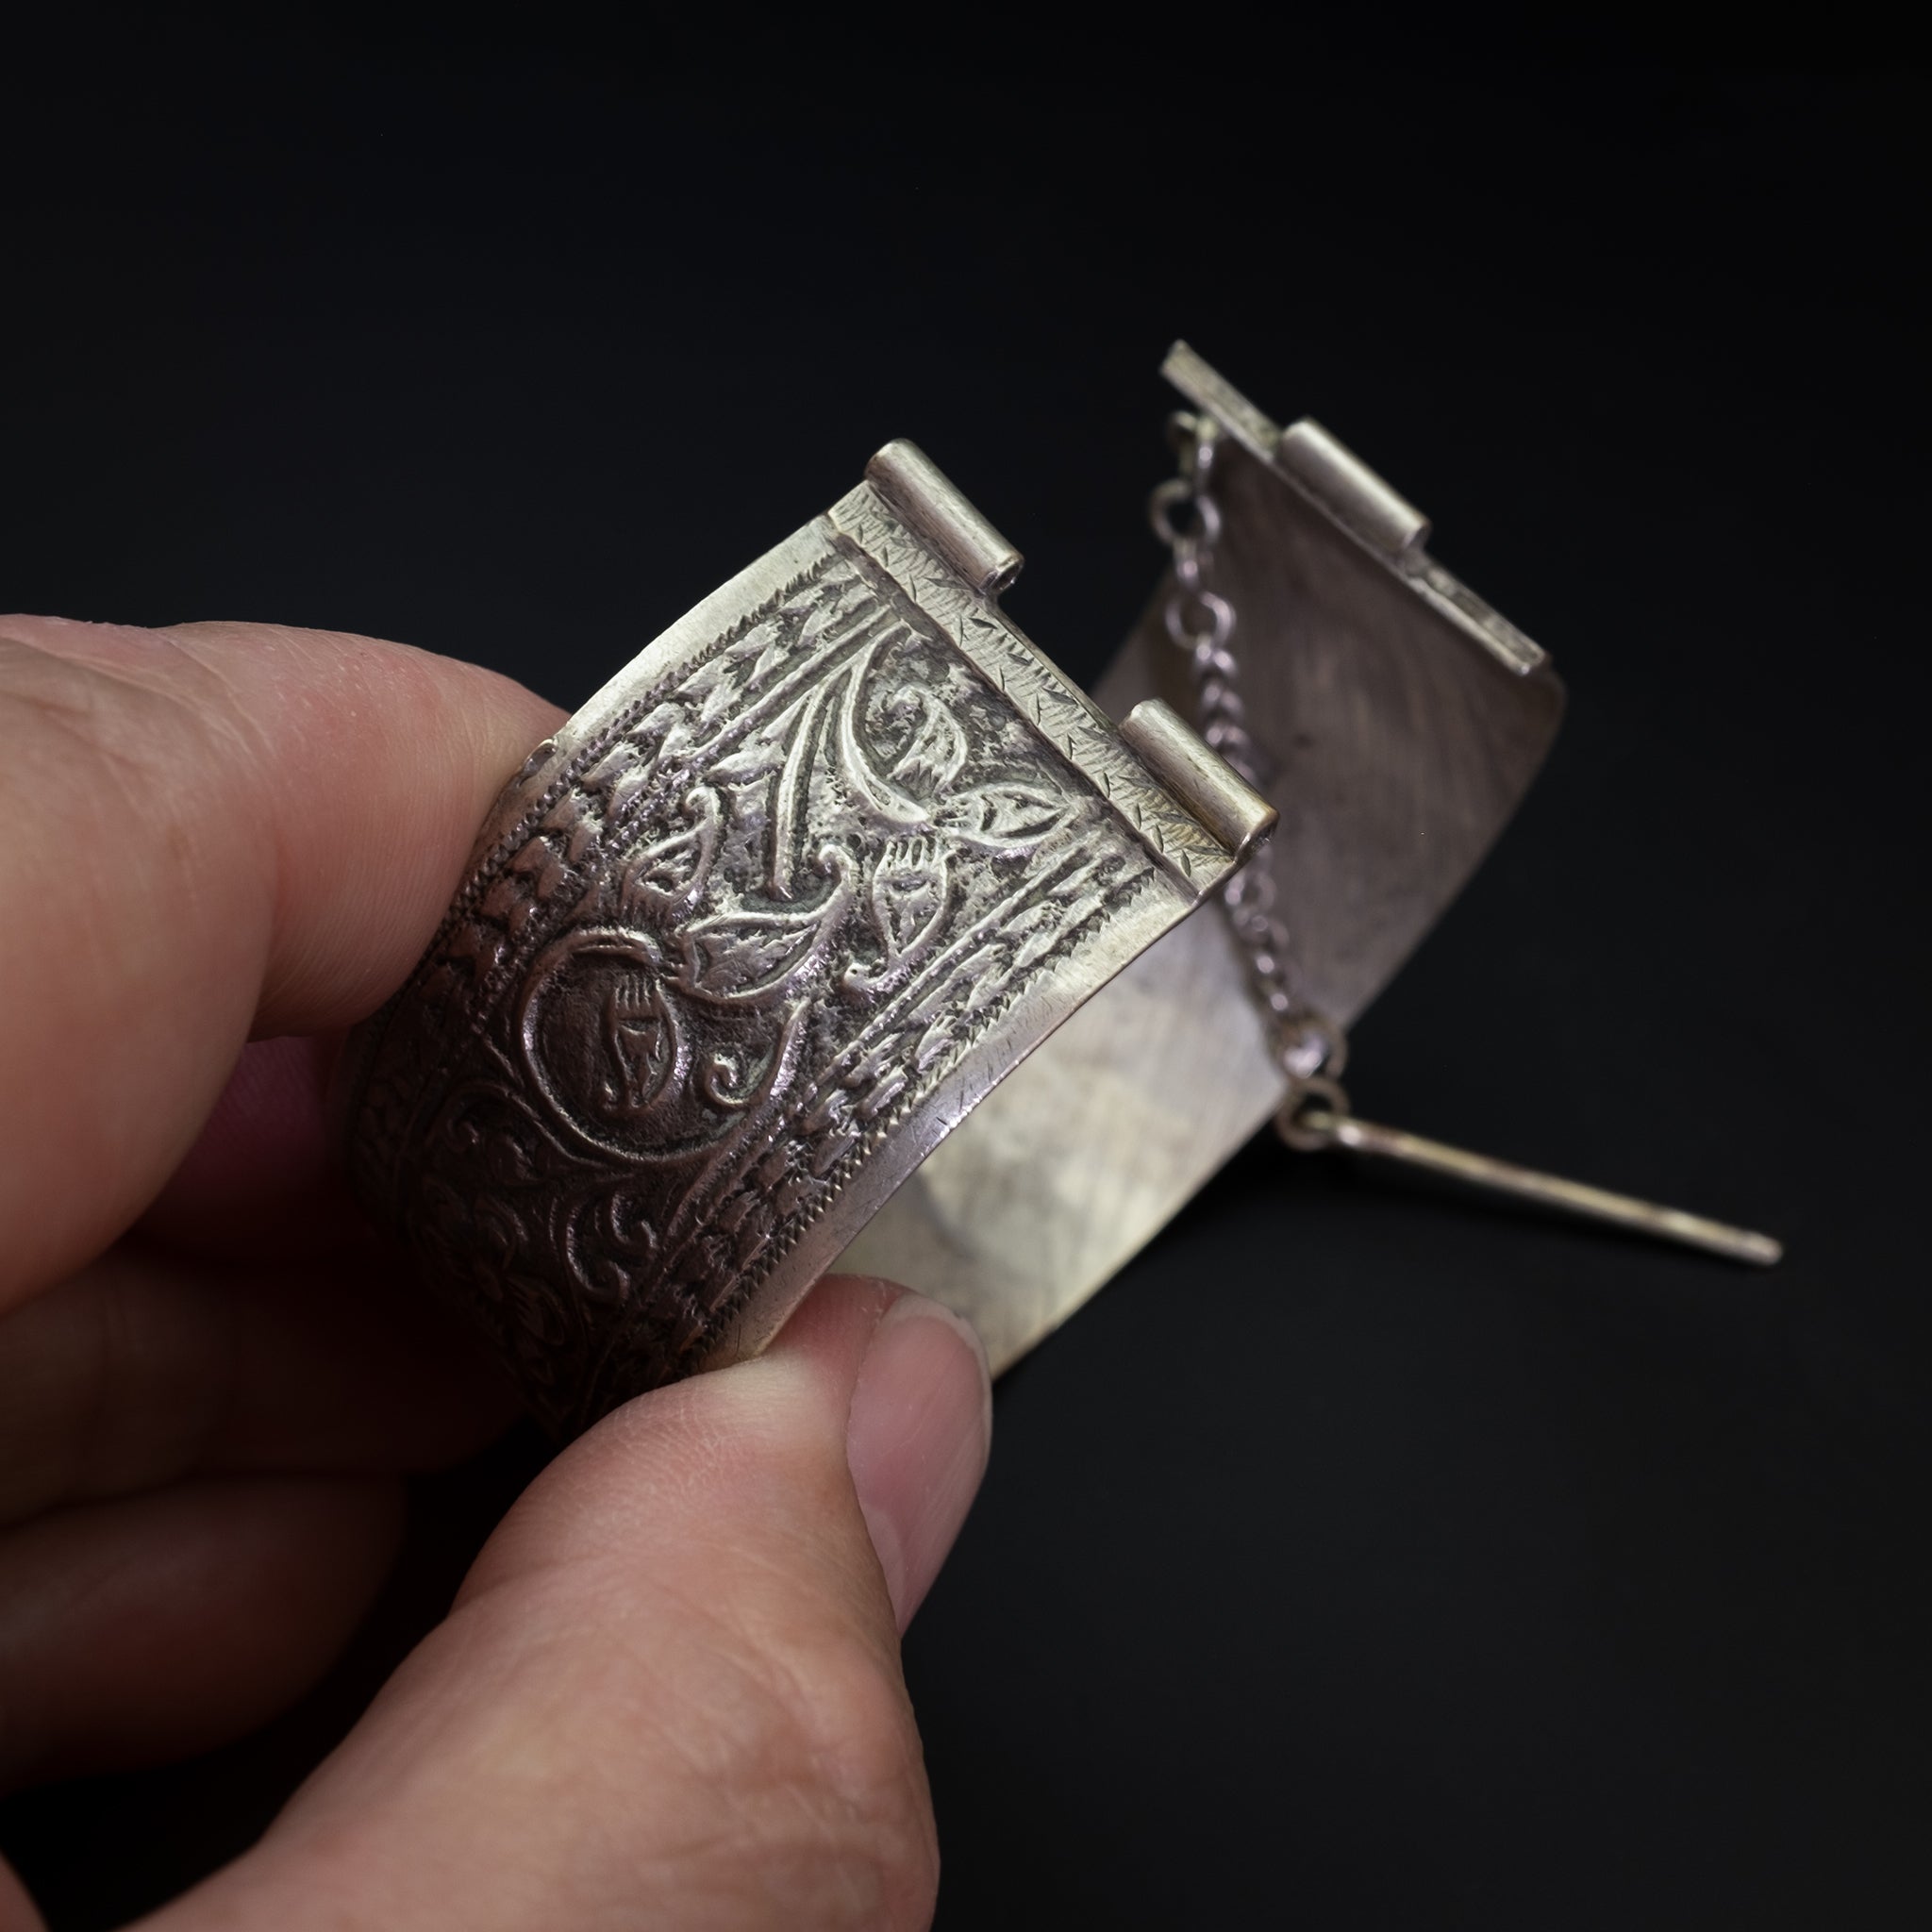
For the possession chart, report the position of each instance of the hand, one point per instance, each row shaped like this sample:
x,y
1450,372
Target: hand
x,y
669,1691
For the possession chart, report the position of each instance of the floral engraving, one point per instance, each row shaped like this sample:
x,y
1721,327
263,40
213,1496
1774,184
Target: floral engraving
x,y
732,937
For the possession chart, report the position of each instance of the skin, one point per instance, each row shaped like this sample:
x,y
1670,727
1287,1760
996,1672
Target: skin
x,y
669,1692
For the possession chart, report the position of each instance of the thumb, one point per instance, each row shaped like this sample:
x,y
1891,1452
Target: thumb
x,y
669,1691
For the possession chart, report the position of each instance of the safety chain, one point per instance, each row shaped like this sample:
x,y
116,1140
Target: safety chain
x,y
1311,1049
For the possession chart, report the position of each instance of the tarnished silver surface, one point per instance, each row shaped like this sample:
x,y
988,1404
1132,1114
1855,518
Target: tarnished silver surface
x,y
756,929
1398,720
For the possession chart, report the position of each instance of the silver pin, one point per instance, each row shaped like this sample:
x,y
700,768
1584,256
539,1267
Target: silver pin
x,y
1308,1125
1309,1047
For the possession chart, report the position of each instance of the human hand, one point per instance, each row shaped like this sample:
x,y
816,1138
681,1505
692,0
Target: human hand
x,y
669,1691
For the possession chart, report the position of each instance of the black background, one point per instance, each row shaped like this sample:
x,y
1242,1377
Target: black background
x,y
1363,1557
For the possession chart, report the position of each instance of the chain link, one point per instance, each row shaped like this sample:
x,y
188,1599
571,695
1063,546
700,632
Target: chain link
x,y
1310,1048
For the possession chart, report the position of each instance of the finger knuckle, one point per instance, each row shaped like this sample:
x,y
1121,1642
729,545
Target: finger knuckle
x,y
861,1740
779,1776
841,1821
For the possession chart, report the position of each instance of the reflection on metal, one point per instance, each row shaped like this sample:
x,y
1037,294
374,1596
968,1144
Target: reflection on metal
x,y
752,934
1169,747
840,929
929,500
1400,719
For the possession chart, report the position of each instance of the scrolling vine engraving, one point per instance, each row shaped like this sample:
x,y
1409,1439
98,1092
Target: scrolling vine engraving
x,y
745,928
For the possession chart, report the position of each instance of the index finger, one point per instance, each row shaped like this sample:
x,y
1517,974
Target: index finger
x,y
210,831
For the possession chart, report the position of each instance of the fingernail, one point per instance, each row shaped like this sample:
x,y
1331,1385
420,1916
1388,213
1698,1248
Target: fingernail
x,y
917,1441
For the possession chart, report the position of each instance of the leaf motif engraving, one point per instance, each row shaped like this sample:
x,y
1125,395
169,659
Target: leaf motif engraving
x,y
751,957
746,955
910,893
757,757
770,910
936,744
670,875
1007,817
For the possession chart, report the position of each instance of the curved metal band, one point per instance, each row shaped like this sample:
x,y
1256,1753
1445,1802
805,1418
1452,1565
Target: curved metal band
x,y
757,927
1400,719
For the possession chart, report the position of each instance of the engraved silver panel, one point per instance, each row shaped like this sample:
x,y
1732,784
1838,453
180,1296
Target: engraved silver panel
x,y
755,931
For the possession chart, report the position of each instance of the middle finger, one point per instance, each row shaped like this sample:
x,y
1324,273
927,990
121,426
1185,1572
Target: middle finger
x,y
143,1368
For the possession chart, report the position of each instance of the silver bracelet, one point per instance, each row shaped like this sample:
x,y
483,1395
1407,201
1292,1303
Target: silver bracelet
x,y
749,950
754,932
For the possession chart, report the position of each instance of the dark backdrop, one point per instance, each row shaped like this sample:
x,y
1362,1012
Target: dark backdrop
x,y
1503,1573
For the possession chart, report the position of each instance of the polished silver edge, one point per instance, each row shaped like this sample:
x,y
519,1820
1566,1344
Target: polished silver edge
x,y
1324,473
574,786
1069,720
1208,389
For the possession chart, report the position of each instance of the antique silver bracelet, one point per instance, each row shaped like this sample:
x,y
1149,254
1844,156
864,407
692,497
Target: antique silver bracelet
x,y
753,932
748,951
